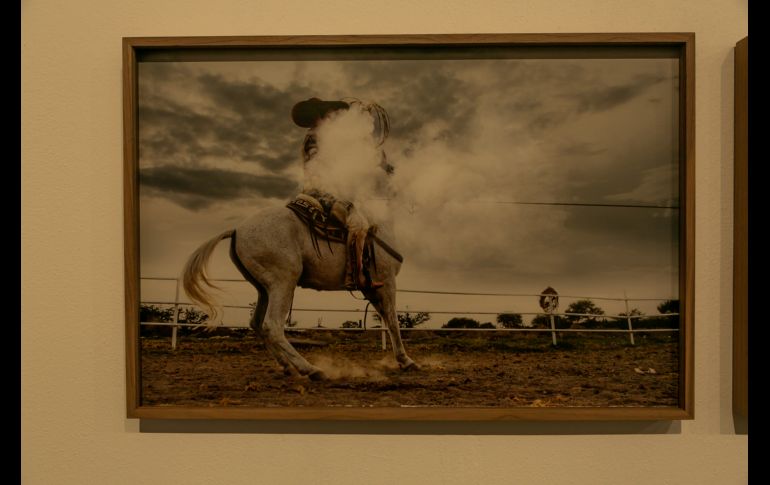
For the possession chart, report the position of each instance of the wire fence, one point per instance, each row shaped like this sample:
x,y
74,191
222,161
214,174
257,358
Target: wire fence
x,y
178,306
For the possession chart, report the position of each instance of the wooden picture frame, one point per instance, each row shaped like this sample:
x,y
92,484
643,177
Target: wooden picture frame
x,y
740,233
676,47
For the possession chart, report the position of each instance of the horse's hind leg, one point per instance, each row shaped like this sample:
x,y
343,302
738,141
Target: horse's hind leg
x,y
267,320
275,339
256,323
384,301
258,317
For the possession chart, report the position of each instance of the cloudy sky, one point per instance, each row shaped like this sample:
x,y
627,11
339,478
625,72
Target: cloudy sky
x,y
474,142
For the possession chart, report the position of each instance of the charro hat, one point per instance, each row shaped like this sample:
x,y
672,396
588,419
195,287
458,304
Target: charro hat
x,y
307,113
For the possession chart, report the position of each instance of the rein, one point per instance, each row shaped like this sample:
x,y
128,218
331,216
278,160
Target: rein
x,y
388,249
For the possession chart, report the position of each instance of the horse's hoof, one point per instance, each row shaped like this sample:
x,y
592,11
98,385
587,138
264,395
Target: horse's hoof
x,y
410,367
317,375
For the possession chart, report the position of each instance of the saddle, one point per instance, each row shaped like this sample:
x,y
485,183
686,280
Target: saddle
x,y
327,221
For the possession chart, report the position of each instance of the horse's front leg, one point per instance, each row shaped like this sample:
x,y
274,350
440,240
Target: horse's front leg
x,y
384,301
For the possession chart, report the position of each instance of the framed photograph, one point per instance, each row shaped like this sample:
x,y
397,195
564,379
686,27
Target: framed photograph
x,y
411,227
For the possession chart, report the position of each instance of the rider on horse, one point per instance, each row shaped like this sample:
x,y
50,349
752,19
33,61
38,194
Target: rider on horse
x,y
309,114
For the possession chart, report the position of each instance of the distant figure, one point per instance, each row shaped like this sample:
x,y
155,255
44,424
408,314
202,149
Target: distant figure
x,y
309,114
549,300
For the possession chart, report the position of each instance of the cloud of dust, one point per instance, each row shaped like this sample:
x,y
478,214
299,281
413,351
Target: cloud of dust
x,y
336,368
387,362
434,361
340,368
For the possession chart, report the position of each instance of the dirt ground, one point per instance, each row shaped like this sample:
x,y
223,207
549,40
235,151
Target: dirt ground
x,y
458,369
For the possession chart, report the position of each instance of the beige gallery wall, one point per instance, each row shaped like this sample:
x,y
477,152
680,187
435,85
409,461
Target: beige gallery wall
x,y
74,429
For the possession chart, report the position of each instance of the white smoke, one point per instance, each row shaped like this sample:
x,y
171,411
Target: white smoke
x,y
348,162
439,197
453,212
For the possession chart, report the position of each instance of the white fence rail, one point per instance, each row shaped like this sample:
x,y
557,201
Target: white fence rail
x,y
175,324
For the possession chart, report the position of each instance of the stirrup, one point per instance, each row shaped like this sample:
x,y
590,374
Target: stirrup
x,y
370,284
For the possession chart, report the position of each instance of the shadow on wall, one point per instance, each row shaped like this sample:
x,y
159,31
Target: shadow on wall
x,y
741,424
411,427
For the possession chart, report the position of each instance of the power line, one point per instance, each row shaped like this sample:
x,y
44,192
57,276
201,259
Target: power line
x,y
577,204
580,204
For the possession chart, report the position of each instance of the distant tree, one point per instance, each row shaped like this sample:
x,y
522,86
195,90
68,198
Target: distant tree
x,y
487,325
666,307
156,314
669,306
658,321
510,320
191,315
583,306
408,320
544,321
541,321
461,322
350,324
622,322
634,312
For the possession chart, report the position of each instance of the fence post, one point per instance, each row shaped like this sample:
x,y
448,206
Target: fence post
x,y
384,340
553,327
628,318
175,328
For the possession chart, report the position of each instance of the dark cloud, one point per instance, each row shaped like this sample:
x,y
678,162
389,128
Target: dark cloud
x,y
525,91
253,100
527,105
550,94
545,121
427,93
274,163
602,98
599,179
589,241
168,130
622,225
238,121
580,149
610,238
197,188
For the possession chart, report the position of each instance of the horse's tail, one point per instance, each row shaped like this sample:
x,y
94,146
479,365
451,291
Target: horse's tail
x,y
194,275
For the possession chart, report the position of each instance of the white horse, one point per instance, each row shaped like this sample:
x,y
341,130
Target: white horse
x,y
274,251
